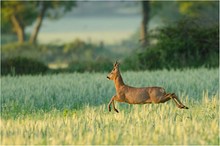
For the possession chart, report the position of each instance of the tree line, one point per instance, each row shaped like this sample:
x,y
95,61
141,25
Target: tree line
x,y
17,15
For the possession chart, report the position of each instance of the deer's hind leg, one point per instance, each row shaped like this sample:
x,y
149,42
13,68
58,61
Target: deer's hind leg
x,y
164,98
176,100
172,96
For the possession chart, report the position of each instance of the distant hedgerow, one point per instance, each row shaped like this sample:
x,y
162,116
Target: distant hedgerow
x,y
22,66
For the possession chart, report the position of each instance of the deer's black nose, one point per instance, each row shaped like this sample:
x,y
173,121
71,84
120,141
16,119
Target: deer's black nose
x,y
108,77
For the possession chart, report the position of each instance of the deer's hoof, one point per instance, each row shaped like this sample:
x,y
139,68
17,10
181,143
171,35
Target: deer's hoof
x,y
116,110
183,107
109,109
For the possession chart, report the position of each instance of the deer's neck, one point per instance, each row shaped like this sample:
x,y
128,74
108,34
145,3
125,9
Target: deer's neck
x,y
118,82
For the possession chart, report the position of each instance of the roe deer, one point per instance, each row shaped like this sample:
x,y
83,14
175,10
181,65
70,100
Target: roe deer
x,y
143,95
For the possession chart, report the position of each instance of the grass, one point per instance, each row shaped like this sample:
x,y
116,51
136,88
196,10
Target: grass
x,y
72,109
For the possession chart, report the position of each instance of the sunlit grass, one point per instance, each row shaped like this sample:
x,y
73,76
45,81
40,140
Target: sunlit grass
x,y
72,109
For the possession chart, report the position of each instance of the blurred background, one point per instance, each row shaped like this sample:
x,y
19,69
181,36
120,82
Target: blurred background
x,y
78,36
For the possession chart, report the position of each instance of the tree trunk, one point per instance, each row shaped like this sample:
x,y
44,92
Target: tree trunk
x,y
19,28
145,13
40,17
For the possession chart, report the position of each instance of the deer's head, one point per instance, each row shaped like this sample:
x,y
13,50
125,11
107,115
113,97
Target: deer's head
x,y
115,72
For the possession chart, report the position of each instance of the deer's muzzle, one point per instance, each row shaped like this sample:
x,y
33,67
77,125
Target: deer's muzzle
x,y
108,77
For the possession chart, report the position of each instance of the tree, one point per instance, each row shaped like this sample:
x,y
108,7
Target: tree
x,y
201,10
19,14
145,19
169,12
43,10
24,13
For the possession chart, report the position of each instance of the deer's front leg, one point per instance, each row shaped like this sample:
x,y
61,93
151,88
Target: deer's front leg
x,y
109,105
112,102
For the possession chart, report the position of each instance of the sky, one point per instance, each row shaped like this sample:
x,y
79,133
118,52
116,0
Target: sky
x,y
108,22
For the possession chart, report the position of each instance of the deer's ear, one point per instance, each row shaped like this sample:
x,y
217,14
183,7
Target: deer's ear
x,y
116,64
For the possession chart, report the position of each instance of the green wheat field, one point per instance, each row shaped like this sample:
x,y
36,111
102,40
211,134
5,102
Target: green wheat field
x,y
72,109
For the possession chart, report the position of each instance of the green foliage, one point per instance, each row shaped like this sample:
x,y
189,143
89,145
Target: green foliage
x,y
25,50
22,66
73,51
25,11
205,10
56,8
72,109
180,46
28,11
100,65
82,51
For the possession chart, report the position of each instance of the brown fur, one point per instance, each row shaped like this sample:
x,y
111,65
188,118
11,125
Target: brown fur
x,y
143,95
